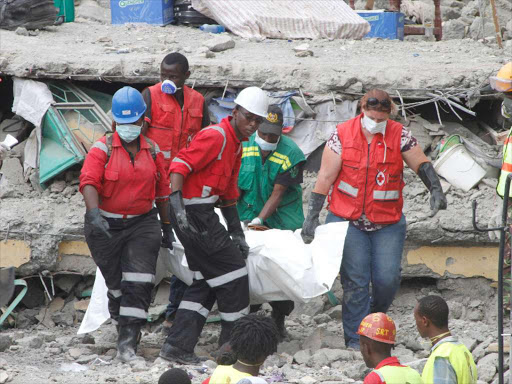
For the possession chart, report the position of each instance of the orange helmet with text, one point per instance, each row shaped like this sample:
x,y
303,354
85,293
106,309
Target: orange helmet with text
x,y
379,327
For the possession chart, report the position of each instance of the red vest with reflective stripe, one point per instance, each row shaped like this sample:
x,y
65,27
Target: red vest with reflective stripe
x,y
220,175
371,177
171,128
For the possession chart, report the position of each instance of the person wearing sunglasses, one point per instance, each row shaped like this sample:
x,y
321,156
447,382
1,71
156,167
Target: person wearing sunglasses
x,y
363,162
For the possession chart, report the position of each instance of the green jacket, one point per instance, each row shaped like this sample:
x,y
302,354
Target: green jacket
x,y
256,183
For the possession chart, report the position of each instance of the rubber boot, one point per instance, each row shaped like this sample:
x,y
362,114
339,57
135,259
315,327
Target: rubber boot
x,y
279,320
127,342
171,353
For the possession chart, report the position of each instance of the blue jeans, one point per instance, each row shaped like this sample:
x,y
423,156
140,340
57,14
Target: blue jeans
x,y
176,293
374,257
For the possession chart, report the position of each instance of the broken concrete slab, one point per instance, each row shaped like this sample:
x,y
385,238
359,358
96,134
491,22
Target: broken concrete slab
x,y
220,43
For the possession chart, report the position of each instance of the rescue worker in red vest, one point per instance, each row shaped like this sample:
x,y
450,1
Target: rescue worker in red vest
x,y
377,334
174,115
270,189
205,175
363,162
450,362
122,177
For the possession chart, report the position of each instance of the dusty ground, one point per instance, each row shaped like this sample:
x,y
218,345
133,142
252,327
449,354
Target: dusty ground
x,y
315,353
88,50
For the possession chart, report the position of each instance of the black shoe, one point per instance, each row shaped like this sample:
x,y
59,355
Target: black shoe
x,y
279,320
172,353
128,336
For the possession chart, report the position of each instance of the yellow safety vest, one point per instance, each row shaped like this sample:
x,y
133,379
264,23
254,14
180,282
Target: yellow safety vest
x,y
506,167
226,374
398,375
460,358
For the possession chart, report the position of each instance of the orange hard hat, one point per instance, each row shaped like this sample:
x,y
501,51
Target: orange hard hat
x,y
379,327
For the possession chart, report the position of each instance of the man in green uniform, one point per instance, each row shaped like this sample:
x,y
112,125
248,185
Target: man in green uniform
x,y
270,188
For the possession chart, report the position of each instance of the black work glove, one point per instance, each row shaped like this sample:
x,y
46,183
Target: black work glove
x,y
235,229
178,207
429,177
97,222
316,203
167,236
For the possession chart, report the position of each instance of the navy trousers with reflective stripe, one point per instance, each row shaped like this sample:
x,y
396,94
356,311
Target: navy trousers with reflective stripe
x,y
225,279
128,263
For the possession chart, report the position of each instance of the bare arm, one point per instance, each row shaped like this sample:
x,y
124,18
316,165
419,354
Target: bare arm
x,y
177,180
414,157
163,211
329,171
273,201
91,197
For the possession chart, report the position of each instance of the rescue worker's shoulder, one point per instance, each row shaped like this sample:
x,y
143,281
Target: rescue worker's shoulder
x,y
100,146
212,133
194,92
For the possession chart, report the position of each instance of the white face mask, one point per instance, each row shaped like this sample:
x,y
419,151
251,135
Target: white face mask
x,y
374,127
169,87
128,132
265,145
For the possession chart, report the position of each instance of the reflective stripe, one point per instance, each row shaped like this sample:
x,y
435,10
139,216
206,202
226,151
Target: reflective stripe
x,y
161,197
221,131
196,307
228,277
278,159
157,149
250,154
347,188
178,160
201,200
133,312
198,275
250,149
207,191
386,195
101,146
284,157
380,375
234,316
167,154
136,277
115,292
116,215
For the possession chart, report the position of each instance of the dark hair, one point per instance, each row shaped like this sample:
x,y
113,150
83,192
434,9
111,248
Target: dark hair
x,y
377,346
380,95
176,58
253,338
174,376
435,309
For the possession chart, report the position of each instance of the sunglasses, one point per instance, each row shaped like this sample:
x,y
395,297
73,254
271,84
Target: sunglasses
x,y
251,117
373,102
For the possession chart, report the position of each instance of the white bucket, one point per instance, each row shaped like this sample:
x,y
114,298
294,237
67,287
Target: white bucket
x,y
458,167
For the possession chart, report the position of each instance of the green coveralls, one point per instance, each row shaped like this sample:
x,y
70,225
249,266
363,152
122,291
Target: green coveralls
x,y
256,182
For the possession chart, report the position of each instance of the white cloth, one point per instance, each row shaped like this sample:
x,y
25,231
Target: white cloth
x,y
285,19
31,101
280,266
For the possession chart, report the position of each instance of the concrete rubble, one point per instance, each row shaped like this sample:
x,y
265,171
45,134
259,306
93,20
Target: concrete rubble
x,y
315,352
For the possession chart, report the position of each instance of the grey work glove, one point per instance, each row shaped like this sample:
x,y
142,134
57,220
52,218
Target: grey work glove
x,y
235,229
429,177
178,207
316,203
494,222
167,236
97,222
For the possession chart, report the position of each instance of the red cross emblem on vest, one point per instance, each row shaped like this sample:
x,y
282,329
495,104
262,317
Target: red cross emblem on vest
x,y
380,178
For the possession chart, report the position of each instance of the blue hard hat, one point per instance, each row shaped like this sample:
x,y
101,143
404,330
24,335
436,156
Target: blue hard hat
x,y
127,105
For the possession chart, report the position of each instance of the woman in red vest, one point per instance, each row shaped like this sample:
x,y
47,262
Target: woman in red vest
x,y
363,162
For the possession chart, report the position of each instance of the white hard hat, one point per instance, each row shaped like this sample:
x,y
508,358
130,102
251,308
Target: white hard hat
x,y
254,100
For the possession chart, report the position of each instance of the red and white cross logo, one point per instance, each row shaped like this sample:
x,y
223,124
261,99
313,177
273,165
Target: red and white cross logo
x,y
380,178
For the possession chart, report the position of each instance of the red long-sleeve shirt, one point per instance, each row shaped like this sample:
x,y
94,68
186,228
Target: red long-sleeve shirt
x,y
374,378
210,164
124,187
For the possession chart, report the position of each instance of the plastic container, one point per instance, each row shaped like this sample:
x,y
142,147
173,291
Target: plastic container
x,y
158,12
66,10
212,28
450,142
458,167
386,25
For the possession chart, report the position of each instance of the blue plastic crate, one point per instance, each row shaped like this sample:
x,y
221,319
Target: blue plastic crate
x,y
159,12
386,25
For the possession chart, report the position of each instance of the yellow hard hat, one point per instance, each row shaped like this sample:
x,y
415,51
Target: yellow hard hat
x,y
502,82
